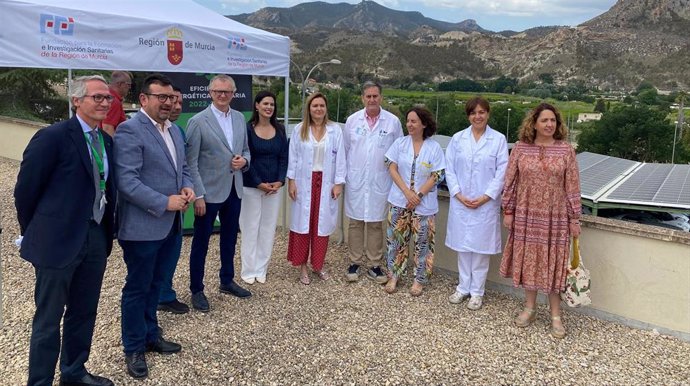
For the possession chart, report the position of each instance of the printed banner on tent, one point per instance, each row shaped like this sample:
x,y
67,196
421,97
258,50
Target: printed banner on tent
x,y
96,35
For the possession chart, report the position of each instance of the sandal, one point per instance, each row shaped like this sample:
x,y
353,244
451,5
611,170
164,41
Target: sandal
x,y
416,289
323,275
526,321
304,278
391,285
557,332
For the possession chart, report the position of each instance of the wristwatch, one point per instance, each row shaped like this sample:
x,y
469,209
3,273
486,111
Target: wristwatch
x,y
420,194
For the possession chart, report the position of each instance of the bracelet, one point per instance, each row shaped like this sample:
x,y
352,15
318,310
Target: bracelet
x,y
507,213
576,222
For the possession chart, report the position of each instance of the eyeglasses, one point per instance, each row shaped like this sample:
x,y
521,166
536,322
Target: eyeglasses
x,y
223,92
99,98
162,98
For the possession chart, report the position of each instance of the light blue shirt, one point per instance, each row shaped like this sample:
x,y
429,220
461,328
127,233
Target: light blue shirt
x,y
87,130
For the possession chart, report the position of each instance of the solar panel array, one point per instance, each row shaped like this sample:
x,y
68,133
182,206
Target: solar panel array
x,y
655,184
600,171
617,180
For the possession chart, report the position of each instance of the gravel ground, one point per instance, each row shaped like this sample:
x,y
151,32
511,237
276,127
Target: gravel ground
x,y
340,333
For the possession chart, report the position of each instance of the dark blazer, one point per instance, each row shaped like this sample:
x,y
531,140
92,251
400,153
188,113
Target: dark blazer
x,y
54,195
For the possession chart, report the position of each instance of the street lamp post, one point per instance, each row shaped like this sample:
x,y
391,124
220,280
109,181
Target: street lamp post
x,y
675,133
508,125
305,80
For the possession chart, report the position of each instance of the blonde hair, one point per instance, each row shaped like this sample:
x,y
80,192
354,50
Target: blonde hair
x,y
527,131
306,118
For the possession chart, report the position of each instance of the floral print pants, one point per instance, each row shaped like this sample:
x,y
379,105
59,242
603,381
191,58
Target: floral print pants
x,y
403,225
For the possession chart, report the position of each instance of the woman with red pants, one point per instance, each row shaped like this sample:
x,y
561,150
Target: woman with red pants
x,y
316,174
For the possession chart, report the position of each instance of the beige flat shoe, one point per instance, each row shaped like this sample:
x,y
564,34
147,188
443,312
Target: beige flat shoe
x,y
557,332
391,286
525,321
416,289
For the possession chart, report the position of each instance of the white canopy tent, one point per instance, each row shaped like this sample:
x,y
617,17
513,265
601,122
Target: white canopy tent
x,y
152,35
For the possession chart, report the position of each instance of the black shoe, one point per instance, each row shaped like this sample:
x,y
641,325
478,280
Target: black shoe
x,y
175,306
377,275
89,380
352,275
199,302
136,365
235,290
164,347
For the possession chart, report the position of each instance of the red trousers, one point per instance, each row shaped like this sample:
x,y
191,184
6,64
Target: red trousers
x,y
299,244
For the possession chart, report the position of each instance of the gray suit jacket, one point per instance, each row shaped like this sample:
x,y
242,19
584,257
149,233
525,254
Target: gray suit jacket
x,y
148,176
209,155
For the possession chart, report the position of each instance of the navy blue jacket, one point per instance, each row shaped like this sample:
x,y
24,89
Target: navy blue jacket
x,y
54,195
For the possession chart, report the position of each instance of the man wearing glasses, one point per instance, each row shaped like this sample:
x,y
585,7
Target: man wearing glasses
x,y
217,154
120,84
155,188
65,199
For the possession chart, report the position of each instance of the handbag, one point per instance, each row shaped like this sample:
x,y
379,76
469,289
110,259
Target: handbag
x,y
577,281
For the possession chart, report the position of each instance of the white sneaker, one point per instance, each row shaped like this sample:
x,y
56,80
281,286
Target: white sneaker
x,y
261,279
249,280
457,297
475,303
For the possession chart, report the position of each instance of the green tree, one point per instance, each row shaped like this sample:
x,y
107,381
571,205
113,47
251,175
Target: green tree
x,y
30,93
638,133
600,106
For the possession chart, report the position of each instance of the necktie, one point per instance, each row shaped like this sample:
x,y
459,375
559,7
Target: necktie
x,y
96,145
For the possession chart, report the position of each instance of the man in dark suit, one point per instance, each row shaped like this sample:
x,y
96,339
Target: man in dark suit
x,y
217,153
154,188
65,199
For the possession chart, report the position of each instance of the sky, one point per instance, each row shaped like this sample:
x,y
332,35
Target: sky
x,y
494,15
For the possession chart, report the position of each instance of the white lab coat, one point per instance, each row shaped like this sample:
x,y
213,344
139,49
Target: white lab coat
x,y
472,174
300,160
368,181
430,159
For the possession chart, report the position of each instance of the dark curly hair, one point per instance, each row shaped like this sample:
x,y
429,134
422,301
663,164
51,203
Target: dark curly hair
x,y
427,120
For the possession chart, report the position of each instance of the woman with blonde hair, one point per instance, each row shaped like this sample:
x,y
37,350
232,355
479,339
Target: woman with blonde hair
x,y
316,174
541,208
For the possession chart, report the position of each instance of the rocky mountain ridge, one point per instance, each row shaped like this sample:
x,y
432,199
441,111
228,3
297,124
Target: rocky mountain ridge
x,y
635,40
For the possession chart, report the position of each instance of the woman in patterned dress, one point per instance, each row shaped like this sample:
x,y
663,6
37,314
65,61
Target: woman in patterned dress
x,y
416,164
541,207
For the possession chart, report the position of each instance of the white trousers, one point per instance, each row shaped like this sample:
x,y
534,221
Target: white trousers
x,y
473,268
258,219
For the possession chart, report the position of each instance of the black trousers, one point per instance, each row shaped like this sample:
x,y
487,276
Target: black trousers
x,y
72,292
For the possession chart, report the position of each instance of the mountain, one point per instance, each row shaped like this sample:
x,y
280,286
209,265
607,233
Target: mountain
x,y
366,16
635,40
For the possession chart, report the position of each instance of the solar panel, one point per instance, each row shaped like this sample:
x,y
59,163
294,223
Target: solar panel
x,y
600,172
654,184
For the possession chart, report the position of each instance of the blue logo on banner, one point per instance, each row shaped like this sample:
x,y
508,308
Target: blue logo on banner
x,y
60,25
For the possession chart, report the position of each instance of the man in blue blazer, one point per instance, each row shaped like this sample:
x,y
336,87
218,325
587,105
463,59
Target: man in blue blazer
x,y
217,154
154,188
65,200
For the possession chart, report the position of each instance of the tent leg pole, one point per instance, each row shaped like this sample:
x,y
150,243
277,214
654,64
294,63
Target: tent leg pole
x,y
69,91
287,122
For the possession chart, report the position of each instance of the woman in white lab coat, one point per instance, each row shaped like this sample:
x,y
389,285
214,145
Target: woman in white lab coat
x,y
316,174
476,161
416,165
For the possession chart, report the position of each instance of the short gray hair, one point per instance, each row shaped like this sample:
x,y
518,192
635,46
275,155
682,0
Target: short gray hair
x,y
223,78
370,84
78,85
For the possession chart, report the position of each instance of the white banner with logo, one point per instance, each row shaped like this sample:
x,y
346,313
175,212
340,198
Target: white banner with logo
x,y
152,35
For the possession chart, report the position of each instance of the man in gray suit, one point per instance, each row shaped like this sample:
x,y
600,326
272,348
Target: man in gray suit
x,y
217,154
155,188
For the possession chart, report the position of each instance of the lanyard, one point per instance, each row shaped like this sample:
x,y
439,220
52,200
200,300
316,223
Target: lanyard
x,y
97,157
